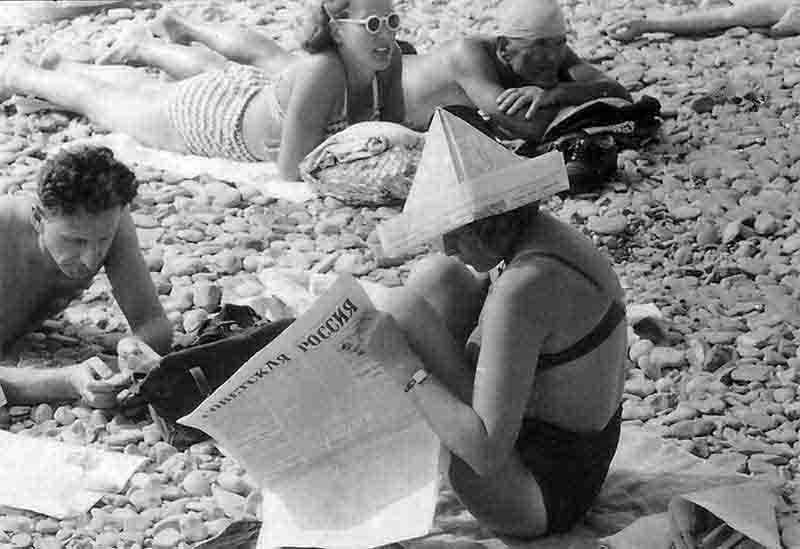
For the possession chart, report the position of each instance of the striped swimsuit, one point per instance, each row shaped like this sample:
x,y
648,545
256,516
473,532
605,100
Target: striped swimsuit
x,y
207,111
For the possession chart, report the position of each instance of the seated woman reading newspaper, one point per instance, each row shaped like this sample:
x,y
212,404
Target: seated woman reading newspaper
x,y
520,377
263,107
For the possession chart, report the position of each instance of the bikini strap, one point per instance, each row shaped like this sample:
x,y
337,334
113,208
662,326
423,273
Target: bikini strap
x,y
611,319
377,107
602,331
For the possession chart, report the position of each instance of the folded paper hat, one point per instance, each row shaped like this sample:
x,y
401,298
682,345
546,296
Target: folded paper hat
x,y
464,176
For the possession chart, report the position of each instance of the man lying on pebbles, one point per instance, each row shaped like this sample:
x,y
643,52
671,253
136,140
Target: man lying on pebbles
x,y
521,78
782,17
51,247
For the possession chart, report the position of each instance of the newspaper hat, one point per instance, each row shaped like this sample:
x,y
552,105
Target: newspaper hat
x,y
463,176
530,19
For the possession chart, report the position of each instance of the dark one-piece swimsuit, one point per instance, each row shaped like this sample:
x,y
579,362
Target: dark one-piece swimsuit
x,y
570,467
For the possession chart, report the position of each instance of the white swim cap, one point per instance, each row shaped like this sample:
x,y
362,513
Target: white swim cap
x,y
530,19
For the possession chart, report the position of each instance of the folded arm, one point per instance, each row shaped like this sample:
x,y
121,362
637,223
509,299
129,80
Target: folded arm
x,y
477,76
587,83
479,423
582,83
31,385
92,380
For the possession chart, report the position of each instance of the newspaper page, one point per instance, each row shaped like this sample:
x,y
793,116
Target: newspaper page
x,y
344,458
58,479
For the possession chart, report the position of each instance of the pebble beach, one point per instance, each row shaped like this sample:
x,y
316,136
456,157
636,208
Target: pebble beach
x,y
702,224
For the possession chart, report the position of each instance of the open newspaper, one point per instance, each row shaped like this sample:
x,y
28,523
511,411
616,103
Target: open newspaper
x,y
344,458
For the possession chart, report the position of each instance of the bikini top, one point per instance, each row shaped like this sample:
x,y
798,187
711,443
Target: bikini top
x,y
342,122
602,330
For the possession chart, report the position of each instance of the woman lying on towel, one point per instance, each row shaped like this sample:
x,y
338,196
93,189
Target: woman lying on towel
x,y
254,104
521,377
782,17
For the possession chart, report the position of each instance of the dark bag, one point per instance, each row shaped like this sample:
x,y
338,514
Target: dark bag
x,y
589,136
184,378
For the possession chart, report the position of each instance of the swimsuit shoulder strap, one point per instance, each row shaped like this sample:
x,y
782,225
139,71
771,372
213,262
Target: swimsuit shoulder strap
x,y
588,343
377,107
602,330
345,104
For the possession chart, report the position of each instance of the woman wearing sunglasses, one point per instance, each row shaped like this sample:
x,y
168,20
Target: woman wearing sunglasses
x,y
242,97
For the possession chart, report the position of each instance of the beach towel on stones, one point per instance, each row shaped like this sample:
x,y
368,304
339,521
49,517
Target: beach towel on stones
x,y
184,378
646,474
367,164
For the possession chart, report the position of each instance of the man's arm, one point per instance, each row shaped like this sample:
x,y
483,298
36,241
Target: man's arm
x,y
31,385
92,380
588,83
134,289
476,74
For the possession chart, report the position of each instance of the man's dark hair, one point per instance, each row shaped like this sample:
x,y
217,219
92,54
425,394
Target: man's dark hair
x,y
86,179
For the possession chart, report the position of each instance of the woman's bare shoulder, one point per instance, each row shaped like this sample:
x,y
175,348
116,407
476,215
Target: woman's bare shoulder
x,y
326,64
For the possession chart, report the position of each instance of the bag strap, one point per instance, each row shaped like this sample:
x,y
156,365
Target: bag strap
x,y
200,380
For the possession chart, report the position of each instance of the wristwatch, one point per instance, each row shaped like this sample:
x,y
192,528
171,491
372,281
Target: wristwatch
x,y
418,378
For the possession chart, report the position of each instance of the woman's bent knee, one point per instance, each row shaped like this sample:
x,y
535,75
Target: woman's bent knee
x,y
443,279
436,270
509,503
454,292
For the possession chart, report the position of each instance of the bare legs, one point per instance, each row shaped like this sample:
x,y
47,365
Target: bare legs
x,y
137,111
437,310
142,49
195,47
760,13
235,42
112,75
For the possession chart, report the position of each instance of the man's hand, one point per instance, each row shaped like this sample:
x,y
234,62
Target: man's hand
x,y
513,100
135,356
95,382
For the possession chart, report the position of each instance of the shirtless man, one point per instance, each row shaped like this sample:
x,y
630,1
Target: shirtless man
x,y
781,16
50,249
521,78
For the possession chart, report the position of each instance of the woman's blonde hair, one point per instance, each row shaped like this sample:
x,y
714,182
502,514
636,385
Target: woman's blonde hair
x,y
316,35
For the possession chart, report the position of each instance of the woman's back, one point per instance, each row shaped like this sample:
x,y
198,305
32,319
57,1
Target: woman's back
x,y
582,392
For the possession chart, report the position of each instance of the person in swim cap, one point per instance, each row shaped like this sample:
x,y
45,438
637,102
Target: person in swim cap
x,y
520,77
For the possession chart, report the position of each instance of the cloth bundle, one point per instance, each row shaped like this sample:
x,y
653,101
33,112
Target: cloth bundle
x,y
367,164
